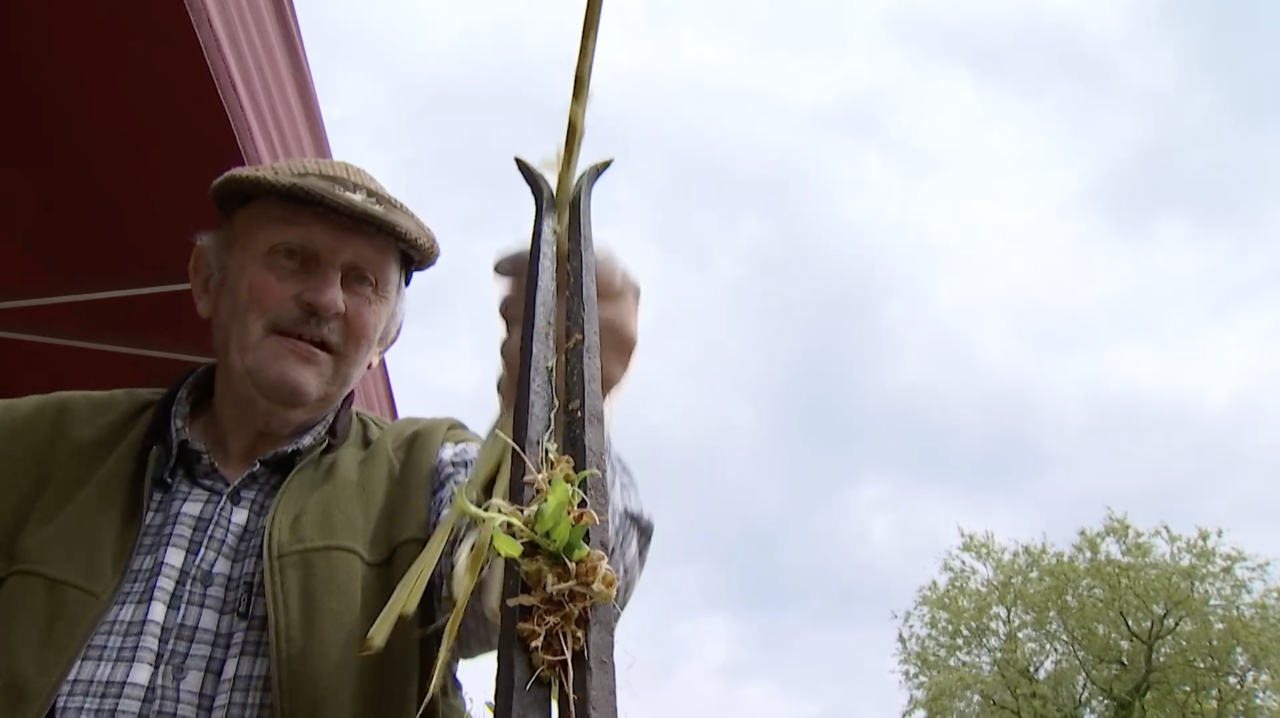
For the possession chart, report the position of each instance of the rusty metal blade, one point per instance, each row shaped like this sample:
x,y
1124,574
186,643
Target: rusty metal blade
x,y
582,421
535,403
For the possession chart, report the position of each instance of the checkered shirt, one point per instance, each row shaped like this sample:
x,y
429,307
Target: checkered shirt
x,y
186,635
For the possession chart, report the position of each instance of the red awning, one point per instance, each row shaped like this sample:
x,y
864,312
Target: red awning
x,y
119,119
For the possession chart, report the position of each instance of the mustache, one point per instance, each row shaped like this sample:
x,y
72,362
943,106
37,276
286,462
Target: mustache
x,y
311,327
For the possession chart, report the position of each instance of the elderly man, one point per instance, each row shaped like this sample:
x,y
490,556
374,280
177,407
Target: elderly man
x,y
221,548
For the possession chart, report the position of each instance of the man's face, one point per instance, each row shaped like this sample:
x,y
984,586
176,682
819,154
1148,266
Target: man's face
x,y
299,302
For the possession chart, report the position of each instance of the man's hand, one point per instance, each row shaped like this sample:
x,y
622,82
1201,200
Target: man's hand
x,y
618,305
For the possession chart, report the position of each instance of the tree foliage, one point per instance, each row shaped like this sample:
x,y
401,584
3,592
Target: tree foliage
x,y
1124,623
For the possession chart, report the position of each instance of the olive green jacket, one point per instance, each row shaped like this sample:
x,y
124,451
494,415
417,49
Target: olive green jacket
x,y
75,473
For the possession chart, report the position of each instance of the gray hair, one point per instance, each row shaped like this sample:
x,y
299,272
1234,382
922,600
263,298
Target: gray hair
x,y
214,242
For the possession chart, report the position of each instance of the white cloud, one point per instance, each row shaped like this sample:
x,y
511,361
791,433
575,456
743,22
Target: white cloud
x,y
907,266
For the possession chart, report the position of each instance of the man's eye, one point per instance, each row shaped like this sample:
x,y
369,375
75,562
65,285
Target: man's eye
x,y
361,280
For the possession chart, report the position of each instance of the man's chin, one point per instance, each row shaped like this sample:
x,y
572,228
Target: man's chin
x,y
294,388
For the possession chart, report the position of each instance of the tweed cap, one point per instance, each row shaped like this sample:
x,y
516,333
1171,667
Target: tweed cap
x,y
337,186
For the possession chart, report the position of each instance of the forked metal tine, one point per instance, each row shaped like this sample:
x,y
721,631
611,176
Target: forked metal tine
x,y
582,419
516,694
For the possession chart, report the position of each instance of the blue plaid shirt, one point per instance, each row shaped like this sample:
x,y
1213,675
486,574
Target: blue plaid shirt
x,y
186,636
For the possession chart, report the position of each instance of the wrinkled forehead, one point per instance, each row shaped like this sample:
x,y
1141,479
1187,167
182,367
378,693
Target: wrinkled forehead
x,y
269,220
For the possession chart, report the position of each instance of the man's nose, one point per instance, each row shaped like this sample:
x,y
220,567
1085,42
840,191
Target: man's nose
x,y
323,295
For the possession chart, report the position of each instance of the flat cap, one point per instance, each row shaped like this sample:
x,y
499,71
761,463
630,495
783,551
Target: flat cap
x,y
336,186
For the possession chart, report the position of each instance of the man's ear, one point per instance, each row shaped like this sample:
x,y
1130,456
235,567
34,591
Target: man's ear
x,y
379,354
203,280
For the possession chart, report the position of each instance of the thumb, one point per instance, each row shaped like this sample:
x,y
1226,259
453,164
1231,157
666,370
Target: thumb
x,y
514,265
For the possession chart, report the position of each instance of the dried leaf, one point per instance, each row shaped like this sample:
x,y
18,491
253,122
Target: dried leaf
x,y
408,593
444,655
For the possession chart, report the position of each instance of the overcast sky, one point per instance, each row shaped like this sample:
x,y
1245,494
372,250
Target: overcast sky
x,y
907,266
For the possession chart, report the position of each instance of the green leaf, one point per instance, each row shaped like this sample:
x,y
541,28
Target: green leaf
x,y
555,509
573,545
558,495
542,520
506,546
575,549
559,534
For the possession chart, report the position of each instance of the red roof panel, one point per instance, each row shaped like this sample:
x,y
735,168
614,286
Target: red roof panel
x,y
123,117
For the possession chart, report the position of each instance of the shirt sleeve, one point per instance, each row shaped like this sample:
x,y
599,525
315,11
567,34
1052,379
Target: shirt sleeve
x,y
631,533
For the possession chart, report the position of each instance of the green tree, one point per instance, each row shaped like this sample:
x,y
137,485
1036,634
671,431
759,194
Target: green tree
x,y
1124,623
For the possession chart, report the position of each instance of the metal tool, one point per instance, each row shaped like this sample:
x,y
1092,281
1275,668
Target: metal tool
x,y
562,271
579,416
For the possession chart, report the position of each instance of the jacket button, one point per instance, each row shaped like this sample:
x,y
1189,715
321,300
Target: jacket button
x,y
234,497
179,672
